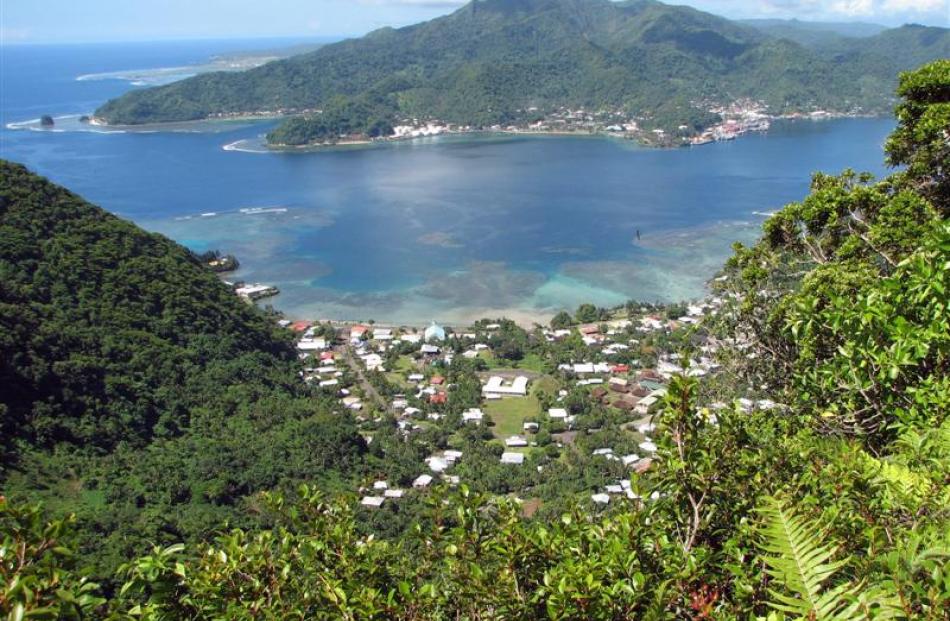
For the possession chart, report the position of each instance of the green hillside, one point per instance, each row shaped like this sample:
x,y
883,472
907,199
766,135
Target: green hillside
x,y
893,50
136,389
502,61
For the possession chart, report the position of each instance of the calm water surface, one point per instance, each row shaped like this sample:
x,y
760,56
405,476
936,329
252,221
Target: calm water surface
x,y
444,228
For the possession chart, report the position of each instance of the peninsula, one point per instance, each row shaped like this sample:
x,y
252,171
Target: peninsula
x,y
659,73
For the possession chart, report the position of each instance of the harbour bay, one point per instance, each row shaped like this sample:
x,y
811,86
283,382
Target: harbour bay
x,y
446,228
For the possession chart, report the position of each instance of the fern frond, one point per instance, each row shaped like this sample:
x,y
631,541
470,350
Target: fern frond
x,y
797,559
899,479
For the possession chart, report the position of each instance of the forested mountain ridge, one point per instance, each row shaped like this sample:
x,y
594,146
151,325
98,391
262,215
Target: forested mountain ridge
x,y
493,61
136,388
83,292
813,34
831,503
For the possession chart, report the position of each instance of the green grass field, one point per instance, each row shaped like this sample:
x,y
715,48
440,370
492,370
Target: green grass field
x,y
531,362
545,383
509,413
397,375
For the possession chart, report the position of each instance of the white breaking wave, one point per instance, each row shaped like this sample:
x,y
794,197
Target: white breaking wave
x,y
257,210
71,123
242,147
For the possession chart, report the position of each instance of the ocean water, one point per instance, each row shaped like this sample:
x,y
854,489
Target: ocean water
x,y
447,228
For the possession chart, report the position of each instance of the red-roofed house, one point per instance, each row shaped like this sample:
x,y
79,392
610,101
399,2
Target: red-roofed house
x,y
438,398
437,380
300,326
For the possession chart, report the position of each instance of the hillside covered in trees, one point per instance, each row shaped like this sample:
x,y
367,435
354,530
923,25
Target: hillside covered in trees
x,y
136,390
833,503
508,61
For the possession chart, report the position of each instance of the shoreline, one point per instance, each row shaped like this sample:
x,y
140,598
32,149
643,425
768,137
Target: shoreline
x,y
478,133
636,139
169,125
522,320
599,134
522,317
304,148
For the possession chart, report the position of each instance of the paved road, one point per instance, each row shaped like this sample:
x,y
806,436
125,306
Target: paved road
x,y
368,389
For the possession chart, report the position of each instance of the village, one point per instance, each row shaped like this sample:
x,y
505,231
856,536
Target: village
x,y
735,119
714,122
561,121
738,118
534,414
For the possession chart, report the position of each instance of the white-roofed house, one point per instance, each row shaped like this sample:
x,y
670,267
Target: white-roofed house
x,y
512,458
473,415
423,480
629,460
498,386
437,464
373,362
312,344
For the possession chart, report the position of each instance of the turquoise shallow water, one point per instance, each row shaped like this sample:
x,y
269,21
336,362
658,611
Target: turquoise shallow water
x,y
446,228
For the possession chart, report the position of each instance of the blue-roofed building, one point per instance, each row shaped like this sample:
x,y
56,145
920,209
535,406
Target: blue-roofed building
x,y
435,332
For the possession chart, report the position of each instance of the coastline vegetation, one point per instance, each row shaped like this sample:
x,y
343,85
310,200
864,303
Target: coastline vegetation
x,y
208,482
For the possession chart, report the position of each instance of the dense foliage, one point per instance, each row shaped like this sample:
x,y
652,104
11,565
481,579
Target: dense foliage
x,y
832,504
339,119
846,296
123,359
504,61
